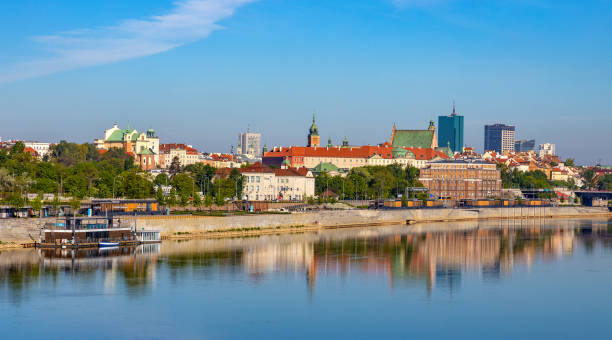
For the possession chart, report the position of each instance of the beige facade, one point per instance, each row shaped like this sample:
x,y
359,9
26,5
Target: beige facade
x,y
186,154
261,183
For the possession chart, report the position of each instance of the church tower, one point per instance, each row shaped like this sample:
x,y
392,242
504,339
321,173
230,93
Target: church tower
x,y
313,136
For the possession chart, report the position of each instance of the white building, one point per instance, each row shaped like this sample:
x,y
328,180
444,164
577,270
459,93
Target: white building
x,y
546,149
41,148
249,143
261,183
186,154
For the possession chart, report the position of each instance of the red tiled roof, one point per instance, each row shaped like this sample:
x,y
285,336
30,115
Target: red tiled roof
x,y
165,148
31,151
384,151
259,168
222,157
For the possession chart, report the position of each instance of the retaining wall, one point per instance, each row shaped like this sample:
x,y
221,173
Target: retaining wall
x,y
17,230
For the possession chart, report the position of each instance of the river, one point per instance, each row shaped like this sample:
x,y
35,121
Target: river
x,y
481,280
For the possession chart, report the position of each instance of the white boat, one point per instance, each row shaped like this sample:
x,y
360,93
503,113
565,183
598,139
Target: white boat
x,y
108,244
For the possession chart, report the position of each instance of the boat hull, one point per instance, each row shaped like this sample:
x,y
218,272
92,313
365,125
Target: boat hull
x,y
108,244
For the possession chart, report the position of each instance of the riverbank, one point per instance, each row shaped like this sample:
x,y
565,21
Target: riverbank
x,y
15,232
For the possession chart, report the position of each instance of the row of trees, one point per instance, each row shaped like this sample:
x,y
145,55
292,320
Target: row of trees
x,y
79,170
369,182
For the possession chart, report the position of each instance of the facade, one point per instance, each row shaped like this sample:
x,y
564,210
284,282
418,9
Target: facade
x,y
524,145
249,143
41,148
462,179
346,158
144,147
186,154
499,137
261,183
450,131
546,149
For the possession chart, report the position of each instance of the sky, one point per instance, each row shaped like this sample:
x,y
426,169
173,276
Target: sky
x,y
201,71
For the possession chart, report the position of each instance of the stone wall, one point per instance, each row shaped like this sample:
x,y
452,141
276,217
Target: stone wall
x,y
17,230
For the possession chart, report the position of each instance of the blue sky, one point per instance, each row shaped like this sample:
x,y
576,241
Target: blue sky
x,y
201,71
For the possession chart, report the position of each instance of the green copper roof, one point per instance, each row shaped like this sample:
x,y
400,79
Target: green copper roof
x,y
413,138
446,150
399,152
116,136
325,167
286,162
146,152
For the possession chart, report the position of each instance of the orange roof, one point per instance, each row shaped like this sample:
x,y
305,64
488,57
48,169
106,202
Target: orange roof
x,y
384,151
31,151
167,147
222,157
259,168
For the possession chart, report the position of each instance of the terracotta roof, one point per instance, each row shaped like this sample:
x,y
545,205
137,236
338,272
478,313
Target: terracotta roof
x,y
31,151
222,157
259,168
384,151
165,148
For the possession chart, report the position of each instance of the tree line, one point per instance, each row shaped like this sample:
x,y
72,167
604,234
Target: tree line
x,y
80,170
370,182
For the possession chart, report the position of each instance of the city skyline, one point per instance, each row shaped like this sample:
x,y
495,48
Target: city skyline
x,y
361,66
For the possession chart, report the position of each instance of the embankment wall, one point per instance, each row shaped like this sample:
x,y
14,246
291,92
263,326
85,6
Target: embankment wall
x,y
19,230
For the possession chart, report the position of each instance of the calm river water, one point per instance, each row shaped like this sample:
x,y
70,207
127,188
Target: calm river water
x,y
484,280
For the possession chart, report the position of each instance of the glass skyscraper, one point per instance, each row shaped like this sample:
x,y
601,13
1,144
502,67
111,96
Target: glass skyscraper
x,y
450,131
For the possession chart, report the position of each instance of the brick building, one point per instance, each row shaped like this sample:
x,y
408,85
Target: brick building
x,y
462,179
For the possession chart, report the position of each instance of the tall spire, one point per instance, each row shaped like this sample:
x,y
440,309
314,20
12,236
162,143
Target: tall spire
x,y
454,114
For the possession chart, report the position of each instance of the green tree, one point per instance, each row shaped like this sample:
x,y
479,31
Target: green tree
x,y
37,204
208,200
197,200
159,196
18,148
589,179
184,185
175,167
161,179
16,201
570,162
171,199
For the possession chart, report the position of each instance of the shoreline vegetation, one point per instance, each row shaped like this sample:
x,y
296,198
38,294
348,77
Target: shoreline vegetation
x,y
198,227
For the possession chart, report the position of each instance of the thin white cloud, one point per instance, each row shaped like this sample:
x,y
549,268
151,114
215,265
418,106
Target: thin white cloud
x,y
186,22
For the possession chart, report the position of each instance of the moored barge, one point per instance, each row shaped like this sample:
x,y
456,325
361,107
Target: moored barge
x,y
92,232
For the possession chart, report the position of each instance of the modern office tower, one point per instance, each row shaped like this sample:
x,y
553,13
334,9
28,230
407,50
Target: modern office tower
x,y
450,131
524,145
249,143
499,137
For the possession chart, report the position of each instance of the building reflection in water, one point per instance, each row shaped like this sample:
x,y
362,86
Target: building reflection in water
x,y
428,255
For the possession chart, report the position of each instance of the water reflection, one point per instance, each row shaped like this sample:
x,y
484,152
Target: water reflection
x,y
431,256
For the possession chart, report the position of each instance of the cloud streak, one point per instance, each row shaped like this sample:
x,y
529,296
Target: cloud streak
x,y
188,21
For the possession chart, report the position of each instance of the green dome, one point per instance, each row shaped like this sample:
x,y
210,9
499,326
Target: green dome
x,y
399,152
313,128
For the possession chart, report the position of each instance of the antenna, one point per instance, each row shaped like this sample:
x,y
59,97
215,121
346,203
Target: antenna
x,y
454,114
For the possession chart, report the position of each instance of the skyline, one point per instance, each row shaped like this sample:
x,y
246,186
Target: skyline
x,y
211,68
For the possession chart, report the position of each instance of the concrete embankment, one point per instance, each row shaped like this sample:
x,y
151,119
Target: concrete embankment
x,y
16,231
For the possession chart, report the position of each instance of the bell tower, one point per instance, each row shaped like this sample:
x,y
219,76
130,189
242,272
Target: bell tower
x,y
313,135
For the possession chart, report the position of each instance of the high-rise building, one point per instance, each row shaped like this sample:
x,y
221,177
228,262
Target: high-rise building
x,y
546,149
524,145
450,131
499,137
249,143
